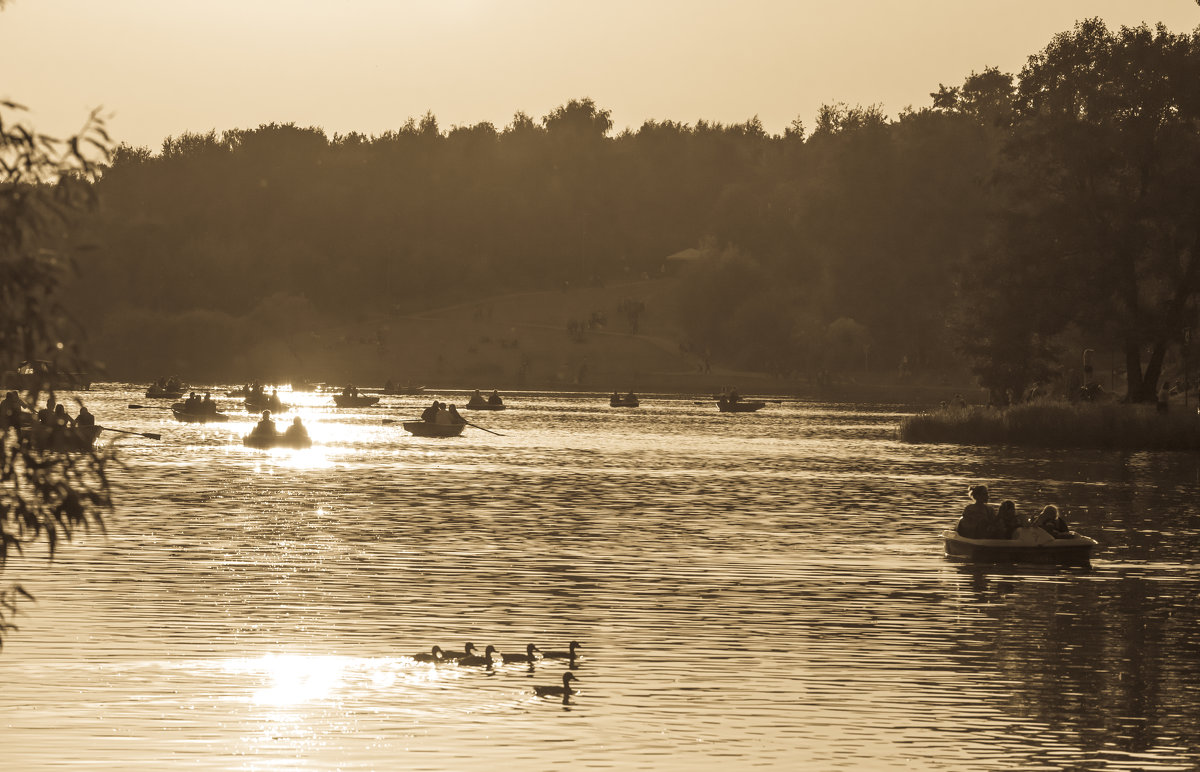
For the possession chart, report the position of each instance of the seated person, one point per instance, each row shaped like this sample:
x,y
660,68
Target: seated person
x,y
476,399
494,399
1052,522
85,417
296,431
455,418
429,414
265,427
1008,521
978,520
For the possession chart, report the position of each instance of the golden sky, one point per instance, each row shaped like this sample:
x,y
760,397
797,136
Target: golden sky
x,y
161,67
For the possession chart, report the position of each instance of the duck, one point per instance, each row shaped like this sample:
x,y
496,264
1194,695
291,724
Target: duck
x,y
475,659
433,655
563,654
468,651
564,691
528,656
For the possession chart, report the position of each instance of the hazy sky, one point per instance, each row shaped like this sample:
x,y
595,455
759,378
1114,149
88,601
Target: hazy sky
x,y
161,67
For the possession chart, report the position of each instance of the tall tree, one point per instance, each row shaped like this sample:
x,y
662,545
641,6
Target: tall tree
x,y
1101,172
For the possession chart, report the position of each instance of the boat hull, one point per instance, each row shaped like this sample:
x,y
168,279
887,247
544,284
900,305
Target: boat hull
x,y
427,429
198,418
346,400
1074,551
484,406
79,439
624,402
266,442
741,407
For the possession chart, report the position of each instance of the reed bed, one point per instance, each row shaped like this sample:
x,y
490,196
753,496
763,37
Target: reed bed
x,y
1058,425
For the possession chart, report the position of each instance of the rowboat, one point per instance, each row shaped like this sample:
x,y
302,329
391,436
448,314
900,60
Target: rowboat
x,y
279,440
196,417
627,400
259,404
484,406
741,406
403,390
77,439
1074,550
429,429
157,392
354,400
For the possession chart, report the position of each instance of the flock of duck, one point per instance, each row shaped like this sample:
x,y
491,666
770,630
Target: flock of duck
x,y
491,657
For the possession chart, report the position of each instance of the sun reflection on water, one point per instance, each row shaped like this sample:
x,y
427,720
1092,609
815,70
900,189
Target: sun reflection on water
x,y
292,679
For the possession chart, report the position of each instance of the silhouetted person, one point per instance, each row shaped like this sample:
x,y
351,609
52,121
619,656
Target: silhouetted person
x,y
455,418
296,431
495,398
978,519
265,427
85,419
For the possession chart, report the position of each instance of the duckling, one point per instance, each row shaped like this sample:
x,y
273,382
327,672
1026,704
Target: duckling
x,y
468,651
528,656
434,655
564,691
474,659
563,654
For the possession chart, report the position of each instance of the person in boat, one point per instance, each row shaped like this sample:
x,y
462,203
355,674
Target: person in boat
x,y
476,399
495,398
12,412
1052,522
85,419
429,414
978,520
265,427
734,396
455,418
1007,520
296,431
615,397
61,419
207,405
443,415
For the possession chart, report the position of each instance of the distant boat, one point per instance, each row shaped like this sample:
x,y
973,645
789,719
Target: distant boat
x,y
741,406
354,400
430,429
43,376
159,392
259,403
1075,550
196,416
402,390
624,400
279,440
485,406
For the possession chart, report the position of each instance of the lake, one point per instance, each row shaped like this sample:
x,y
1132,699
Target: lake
x,y
749,590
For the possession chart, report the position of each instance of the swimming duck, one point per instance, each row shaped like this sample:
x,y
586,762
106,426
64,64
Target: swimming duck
x,y
563,691
475,659
468,651
563,654
434,655
528,656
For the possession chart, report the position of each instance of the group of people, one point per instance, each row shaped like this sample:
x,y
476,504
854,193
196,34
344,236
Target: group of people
x,y
266,428
197,404
477,399
981,521
441,413
53,417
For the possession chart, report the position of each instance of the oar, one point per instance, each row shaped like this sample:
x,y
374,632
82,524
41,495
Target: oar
x,y
477,426
147,435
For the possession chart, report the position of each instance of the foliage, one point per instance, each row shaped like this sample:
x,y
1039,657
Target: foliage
x,y
1056,425
44,184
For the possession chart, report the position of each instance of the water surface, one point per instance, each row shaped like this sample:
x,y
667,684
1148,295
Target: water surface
x,y
750,590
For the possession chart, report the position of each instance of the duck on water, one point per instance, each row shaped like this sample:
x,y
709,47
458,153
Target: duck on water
x,y
565,691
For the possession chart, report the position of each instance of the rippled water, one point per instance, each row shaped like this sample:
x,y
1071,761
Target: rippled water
x,y
750,590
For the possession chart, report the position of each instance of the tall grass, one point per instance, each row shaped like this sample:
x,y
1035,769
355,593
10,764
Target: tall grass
x,y
1058,425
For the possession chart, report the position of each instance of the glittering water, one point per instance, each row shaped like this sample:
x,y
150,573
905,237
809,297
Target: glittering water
x,y
750,590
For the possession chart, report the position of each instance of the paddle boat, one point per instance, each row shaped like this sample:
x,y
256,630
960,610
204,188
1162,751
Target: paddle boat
x,y
1072,550
623,400
354,400
431,429
279,440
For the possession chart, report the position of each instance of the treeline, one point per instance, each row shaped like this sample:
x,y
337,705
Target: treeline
x,y
1009,210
